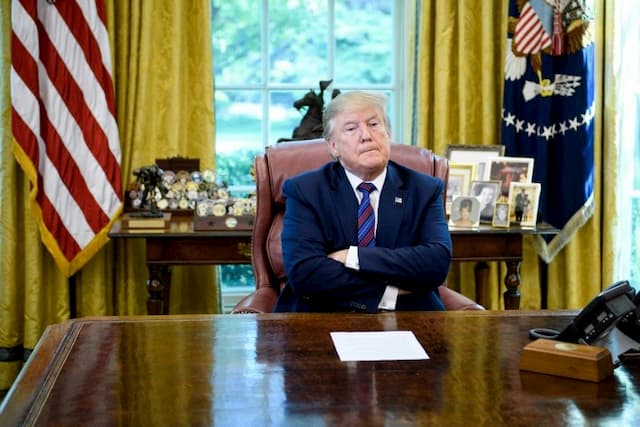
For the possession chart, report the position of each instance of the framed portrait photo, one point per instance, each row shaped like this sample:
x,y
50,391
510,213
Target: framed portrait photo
x,y
501,215
508,170
465,212
476,154
487,193
459,181
523,203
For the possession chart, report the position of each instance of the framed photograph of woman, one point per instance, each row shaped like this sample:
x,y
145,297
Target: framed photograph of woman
x,y
508,170
465,212
476,154
459,182
501,215
487,193
523,203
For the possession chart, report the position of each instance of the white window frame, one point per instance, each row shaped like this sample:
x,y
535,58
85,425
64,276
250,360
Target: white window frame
x,y
396,86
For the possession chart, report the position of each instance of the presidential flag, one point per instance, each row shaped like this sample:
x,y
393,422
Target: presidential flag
x,y
63,122
548,108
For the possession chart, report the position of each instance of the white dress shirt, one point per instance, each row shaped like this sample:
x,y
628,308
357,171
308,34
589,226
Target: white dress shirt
x,y
390,296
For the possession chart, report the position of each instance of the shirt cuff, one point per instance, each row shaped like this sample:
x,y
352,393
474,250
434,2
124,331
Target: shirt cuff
x,y
352,261
389,298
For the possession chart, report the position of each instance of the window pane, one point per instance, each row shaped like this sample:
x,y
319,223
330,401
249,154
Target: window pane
x,y
636,149
364,41
634,274
626,67
239,275
298,41
237,48
238,129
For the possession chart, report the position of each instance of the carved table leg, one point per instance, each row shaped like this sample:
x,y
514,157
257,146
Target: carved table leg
x,y
158,287
512,281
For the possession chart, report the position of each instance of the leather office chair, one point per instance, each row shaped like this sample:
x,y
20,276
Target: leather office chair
x,y
287,159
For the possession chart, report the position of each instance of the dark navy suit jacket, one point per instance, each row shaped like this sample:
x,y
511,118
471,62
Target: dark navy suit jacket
x,y
413,244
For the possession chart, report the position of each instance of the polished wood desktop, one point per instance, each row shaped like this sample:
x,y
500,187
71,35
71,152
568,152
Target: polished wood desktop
x,y
179,244
282,369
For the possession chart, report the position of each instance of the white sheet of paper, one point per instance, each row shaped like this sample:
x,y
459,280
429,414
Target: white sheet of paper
x,y
384,345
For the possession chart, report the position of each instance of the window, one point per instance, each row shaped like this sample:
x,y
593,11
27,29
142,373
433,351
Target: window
x,y
269,53
627,67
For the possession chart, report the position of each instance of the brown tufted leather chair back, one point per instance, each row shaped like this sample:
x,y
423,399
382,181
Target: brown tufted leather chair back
x,y
284,160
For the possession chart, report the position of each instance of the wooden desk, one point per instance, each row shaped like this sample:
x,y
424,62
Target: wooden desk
x,y
282,369
181,245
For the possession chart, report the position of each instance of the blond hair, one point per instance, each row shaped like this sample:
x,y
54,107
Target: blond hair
x,y
349,101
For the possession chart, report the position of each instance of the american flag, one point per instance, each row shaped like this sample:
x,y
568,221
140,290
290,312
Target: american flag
x,y
63,122
530,35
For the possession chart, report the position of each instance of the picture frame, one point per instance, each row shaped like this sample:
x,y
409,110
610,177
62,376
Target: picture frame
x,y
523,201
509,169
487,193
459,181
465,212
501,215
474,153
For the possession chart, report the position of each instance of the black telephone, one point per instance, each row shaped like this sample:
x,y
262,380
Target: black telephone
x,y
603,313
629,324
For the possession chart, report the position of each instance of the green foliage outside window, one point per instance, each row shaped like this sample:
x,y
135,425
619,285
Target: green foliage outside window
x,y
298,41
235,167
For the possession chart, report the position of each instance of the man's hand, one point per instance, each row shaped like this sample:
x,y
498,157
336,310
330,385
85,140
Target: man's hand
x,y
340,256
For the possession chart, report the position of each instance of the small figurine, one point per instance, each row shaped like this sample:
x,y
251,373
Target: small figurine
x,y
310,126
149,179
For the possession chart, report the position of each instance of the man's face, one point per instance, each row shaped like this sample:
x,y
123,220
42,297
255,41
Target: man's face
x,y
486,195
361,141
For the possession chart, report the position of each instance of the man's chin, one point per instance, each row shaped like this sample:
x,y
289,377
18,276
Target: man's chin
x,y
373,157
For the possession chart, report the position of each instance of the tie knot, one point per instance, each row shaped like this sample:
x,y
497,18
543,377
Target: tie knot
x,y
366,187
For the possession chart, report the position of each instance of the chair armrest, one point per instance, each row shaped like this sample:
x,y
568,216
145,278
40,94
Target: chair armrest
x,y
262,300
453,300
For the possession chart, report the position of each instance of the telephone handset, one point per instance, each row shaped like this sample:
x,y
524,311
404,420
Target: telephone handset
x,y
597,318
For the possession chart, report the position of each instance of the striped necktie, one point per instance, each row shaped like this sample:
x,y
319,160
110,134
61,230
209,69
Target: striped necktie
x,y
366,219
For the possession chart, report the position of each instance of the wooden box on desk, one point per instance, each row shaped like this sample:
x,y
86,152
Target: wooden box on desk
x,y
141,221
582,362
226,222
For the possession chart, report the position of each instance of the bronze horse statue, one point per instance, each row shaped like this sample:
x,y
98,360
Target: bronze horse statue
x,y
310,126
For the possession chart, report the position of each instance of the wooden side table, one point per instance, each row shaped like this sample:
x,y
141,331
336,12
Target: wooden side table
x,y
181,245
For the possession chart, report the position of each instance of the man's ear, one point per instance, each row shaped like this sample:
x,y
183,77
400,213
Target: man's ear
x,y
331,145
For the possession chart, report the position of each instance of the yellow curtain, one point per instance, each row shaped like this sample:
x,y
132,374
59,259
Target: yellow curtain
x,y
460,77
163,72
162,65
411,20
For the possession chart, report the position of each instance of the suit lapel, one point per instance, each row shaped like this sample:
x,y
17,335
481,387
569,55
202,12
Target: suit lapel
x,y
345,203
390,209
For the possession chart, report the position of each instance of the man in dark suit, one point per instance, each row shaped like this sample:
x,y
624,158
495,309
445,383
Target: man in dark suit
x,y
407,255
